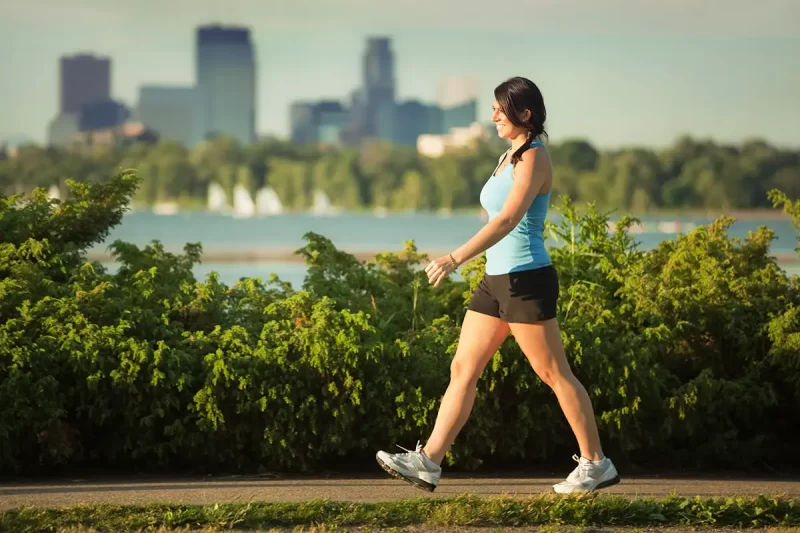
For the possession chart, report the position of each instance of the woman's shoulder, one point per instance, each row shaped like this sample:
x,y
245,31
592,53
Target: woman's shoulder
x,y
536,144
536,157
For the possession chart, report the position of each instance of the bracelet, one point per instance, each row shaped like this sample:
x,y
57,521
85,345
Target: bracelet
x,y
455,263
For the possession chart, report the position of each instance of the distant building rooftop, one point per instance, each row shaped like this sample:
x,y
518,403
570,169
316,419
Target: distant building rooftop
x,y
217,34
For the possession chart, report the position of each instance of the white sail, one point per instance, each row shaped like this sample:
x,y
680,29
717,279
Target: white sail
x,y
243,205
322,204
267,202
217,199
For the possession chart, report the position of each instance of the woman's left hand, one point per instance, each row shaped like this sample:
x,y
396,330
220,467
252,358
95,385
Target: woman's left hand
x,y
440,268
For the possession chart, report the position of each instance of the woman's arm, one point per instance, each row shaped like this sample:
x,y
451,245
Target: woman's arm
x,y
528,181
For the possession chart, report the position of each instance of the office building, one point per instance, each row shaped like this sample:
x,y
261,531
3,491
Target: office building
x,y
102,115
379,88
226,79
460,116
414,118
84,79
323,122
331,119
174,113
302,126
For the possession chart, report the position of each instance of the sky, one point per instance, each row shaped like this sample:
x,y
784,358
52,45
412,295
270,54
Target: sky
x,y
615,72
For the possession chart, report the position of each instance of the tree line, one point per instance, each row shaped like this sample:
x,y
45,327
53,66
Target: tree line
x,y
690,173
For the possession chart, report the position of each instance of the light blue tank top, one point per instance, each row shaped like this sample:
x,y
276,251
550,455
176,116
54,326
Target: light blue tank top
x,y
523,248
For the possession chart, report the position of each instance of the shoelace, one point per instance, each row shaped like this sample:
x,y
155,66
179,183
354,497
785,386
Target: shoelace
x,y
583,468
409,452
414,456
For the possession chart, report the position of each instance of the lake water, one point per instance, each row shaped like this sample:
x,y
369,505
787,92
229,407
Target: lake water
x,y
295,273
363,232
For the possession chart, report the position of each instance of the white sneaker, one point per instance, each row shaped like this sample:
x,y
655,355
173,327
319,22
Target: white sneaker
x,y
589,476
413,466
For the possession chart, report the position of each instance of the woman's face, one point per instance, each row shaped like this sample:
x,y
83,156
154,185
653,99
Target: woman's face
x,y
505,129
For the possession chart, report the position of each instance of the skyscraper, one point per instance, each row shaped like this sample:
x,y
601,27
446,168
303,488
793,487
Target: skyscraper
x,y
85,79
414,118
103,114
379,86
226,81
175,113
84,89
301,119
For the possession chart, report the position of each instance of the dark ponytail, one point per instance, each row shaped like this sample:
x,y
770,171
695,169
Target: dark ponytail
x,y
515,95
516,156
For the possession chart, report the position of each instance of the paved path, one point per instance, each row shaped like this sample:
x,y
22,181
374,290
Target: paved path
x,y
355,489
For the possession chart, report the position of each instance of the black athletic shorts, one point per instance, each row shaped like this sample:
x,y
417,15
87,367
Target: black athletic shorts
x,y
528,296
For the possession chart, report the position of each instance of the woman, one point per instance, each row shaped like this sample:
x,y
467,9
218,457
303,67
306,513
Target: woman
x,y
518,294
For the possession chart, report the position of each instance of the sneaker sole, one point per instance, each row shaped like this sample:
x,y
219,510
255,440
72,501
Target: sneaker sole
x,y
420,484
609,482
602,485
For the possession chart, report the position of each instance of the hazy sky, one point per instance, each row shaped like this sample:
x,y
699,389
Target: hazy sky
x,y
617,72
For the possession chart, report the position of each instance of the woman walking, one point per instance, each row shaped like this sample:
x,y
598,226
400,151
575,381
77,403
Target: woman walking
x,y
518,294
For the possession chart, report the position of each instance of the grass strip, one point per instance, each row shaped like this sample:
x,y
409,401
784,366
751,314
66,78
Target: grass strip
x,y
582,510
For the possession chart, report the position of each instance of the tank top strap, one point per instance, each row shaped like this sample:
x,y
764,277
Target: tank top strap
x,y
500,162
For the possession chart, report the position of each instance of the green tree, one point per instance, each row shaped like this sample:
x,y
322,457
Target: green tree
x,y
210,156
342,185
575,154
414,194
451,184
690,173
291,182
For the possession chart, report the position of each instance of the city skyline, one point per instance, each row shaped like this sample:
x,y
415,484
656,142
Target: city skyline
x,y
733,81
373,110
220,101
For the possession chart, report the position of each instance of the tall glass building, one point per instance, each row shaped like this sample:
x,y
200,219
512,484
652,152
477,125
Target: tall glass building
x,y
175,113
226,81
379,87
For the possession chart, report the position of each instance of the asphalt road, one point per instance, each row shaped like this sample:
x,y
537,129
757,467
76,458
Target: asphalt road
x,y
354,489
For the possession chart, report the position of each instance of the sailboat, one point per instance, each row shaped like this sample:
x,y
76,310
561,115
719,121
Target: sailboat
x,y
217,199
322,204
267,202
243,205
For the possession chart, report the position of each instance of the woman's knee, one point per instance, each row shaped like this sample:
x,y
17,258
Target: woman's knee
x,y
463,371
552,374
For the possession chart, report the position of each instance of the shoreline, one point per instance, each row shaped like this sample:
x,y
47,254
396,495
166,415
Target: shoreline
x,y
289,255
265,255
763,213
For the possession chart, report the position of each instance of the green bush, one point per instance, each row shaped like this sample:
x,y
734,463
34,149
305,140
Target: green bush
x,y
690,352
